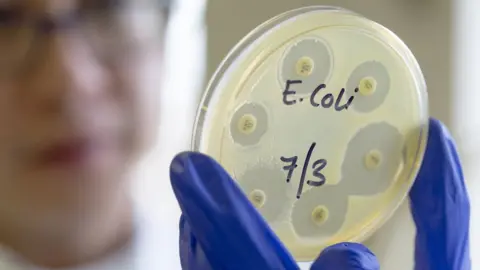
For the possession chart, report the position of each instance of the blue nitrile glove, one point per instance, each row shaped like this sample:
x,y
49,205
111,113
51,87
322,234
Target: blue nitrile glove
x,y
221,230
440,206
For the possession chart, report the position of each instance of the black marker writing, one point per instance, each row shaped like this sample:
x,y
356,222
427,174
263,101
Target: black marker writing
x,y
317,167
291,167
327,101
289,91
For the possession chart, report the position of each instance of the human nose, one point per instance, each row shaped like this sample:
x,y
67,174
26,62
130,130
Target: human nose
x,y
66,70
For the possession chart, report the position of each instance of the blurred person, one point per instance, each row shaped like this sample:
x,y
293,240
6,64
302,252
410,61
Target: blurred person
x,y
79,91
79,88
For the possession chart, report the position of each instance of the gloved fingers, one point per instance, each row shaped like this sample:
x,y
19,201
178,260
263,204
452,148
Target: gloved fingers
x,y
228,228
440,206
346,256
191,253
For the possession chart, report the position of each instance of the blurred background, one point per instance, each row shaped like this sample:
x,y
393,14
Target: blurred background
x,y
444,35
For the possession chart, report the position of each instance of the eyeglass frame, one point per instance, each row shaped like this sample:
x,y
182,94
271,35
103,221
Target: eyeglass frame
x,y
43,27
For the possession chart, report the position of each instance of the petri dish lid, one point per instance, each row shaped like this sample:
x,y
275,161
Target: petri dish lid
x,y
321,116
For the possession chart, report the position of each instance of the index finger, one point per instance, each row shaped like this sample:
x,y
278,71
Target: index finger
x,y
440,206
226,225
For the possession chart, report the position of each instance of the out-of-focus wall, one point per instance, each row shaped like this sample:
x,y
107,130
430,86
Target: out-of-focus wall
x,y
424,25
185,67
466,113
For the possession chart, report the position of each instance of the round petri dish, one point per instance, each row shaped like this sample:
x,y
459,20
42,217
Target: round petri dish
x,y
321,116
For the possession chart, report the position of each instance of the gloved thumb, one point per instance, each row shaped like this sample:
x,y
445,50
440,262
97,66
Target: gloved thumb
x,y
346,256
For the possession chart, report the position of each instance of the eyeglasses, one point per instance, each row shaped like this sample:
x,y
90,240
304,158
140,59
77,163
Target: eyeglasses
x,y
109,33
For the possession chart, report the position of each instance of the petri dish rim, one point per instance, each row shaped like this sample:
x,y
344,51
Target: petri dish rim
x,y
400,47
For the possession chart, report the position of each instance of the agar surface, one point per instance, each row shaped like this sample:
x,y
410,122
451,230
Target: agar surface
x,y
319,109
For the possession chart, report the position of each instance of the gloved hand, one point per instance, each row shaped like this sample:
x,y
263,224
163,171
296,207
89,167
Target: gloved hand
x,y
221,230
218,218
440,206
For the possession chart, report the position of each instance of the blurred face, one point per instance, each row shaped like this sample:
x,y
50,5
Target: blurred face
x,y
79,85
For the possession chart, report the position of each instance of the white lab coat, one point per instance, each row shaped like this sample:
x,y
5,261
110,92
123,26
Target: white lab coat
x,y
154,246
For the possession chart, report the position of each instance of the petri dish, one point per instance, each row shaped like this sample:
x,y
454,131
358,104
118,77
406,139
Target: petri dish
x,y
321,116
